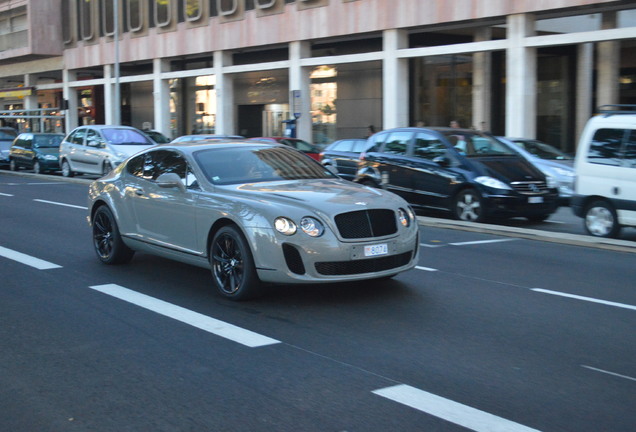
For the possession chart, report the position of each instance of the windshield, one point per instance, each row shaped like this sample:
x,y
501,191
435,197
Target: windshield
x,y
257,164
121,136
475,144
542,150
47,141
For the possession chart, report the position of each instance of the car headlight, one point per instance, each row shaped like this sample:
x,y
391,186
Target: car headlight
x,y
492,182
285,226
551,181
49,157
312,227
404,217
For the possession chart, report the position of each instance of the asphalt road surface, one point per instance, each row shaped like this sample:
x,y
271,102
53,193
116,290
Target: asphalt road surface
x,y
489,333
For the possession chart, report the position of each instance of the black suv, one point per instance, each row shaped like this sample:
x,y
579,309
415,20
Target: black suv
x,y
467,172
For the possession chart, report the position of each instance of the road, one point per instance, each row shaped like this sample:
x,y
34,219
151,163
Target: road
x,y
489,333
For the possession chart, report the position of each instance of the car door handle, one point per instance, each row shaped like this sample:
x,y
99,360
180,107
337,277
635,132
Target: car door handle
x,y
139,191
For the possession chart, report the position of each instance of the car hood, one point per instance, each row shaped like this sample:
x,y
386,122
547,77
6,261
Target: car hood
x,y
508,169
321,194
49,150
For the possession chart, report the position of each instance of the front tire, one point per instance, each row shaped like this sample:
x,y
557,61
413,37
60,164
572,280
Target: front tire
x,y
66,169
600,220
468,207
109,246
233,271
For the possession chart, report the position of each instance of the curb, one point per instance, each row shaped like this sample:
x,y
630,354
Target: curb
x,y
532,234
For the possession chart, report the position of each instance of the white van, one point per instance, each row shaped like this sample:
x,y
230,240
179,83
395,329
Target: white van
x,y
605,170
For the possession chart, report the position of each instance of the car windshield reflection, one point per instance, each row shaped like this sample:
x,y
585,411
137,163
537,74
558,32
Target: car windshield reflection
x,y
240,165
476,145
124,137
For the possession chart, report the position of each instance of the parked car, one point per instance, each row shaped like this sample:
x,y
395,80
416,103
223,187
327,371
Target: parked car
x,y
7,135
344,156
468,173
550,160
252,213
97,149
309,149
202,137
37,151
156,136
605,165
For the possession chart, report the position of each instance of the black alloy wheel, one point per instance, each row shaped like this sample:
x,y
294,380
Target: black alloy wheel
x,y
109,247
233,270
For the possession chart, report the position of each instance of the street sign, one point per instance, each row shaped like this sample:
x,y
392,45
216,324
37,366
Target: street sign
x,y
296,103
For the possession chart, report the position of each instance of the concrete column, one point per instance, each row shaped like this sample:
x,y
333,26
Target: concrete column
x,y
109,95
70,94
395,80
608,65
482,88
299,80
31,103
225,123
521,78
161,97
584,86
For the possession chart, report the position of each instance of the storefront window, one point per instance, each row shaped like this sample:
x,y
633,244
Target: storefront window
x,y
442,90
324,92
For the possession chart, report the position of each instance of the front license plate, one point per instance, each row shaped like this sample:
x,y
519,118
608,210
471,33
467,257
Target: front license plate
x,y
535,200
375,250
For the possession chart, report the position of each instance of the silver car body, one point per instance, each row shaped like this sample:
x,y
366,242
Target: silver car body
x,y
178,223
95,149
560,170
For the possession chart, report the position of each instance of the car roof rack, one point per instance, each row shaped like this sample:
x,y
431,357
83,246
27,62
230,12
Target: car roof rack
x,y
608,110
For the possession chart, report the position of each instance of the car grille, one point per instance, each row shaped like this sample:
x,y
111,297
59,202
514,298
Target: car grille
x,y
366,223
530,187
339,268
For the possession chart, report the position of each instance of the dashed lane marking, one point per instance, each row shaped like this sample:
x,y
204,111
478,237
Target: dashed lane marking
x,y
195,319
588,299
449,410
27,259
61,204
426,268
482,242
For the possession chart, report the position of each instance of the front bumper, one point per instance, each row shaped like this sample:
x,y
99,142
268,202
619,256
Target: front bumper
x,y
328,259
521,205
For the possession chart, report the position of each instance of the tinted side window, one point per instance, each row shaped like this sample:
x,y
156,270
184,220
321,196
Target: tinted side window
x,y
605,147
376,141
92,137
629,155
136,166
397,143
428,146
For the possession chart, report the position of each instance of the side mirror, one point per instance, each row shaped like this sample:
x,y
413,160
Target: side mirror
x,y
442,161
332,169
95,143
170,180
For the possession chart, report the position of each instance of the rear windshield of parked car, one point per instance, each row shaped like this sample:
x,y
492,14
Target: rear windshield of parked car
x,y
125,137
253,164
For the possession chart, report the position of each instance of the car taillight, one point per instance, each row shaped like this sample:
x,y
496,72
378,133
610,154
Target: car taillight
x,y
321,155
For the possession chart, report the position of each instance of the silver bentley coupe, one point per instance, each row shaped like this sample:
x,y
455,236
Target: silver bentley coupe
x,y
253,213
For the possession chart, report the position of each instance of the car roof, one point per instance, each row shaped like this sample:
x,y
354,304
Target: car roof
x,y
193,146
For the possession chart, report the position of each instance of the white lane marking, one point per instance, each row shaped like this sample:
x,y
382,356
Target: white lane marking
x,y
195,319
589,299
482,242
609,373
554,221
61,204
27,259
430,245
4,194
425,268
449,410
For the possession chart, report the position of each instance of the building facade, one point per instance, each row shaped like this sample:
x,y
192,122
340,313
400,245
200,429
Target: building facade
x,y
524,68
